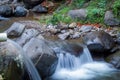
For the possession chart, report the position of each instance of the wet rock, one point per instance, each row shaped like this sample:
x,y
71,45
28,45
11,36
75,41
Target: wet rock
x,y
114,59
20,11
99,41
26,36
110,20
5,10
78,14
3,18
32,3
85,28
42,55
11,65
15,30
39,9
64,36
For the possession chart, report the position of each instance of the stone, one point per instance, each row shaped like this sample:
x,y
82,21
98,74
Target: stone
x,y
11,64
20,11
72,25
15,30
110,20
39,9
76,35
98,41
64,36
42,56
5,11
31,3
114,59
78,14
3,18
26,36
85,28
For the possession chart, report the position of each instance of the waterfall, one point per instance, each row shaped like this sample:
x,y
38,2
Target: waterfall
x,y
71,62
32,71
82,67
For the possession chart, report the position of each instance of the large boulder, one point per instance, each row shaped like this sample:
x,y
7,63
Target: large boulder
x,y
5,10
110,20
78,14
98,41
42,55
11,64
32,3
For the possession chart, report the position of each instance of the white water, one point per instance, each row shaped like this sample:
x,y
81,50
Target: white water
x,y
81,68
32,71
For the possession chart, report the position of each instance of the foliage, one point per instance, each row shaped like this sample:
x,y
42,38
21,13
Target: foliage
x,y
61,16
116,8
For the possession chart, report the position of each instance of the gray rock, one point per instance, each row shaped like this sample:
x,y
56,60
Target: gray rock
x,y
78,14
20,11
15,30
26,36
5,10
85,28
110,20
3,18
39,9
99,41
64,35
11,64
32,3
114,59
42,55
76,35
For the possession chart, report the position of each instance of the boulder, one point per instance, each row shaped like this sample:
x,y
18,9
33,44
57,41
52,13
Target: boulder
x,y
15,30
5,10
110,20
114,59
26,36
78,14
98,41
32,3
39,9
42,56
11,64
20,11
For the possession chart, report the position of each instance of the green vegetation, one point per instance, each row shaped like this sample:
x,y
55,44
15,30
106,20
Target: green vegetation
x,y
95,11
116,8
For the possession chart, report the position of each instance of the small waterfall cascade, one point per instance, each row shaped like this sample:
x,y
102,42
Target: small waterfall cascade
x,y
32,71
82,67
71,62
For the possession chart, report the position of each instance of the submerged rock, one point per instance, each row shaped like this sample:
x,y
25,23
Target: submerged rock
x,y
99,41
42,56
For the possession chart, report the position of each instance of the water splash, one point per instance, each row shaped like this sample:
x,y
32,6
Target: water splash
x,y
33,74
82,67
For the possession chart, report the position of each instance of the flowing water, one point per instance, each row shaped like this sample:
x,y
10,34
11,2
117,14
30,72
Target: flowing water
x,y
32,71
82,67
